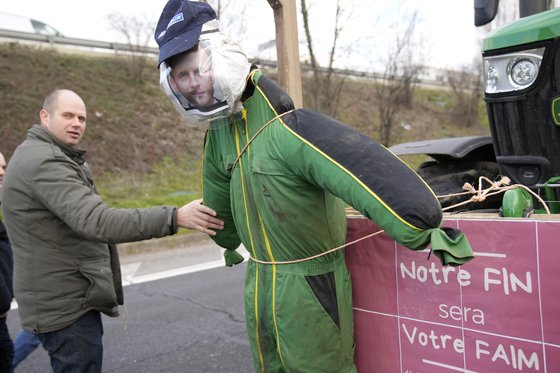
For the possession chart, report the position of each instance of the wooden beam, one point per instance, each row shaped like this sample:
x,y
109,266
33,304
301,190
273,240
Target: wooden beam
x,y
287,48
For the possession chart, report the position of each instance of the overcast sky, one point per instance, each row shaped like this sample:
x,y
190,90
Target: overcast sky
x,y
446,27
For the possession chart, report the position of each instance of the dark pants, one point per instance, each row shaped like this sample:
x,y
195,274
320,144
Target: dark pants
x,y
78,347
6,348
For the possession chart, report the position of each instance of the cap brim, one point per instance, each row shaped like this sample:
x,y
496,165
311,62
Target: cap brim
x,y
179,44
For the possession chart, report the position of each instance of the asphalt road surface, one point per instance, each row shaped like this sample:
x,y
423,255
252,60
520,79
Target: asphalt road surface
x,y
184,313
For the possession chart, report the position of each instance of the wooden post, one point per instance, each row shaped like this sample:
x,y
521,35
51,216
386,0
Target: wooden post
x,y
287,48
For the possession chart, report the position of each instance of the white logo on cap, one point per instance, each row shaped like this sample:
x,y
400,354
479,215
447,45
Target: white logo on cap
x,y
177,18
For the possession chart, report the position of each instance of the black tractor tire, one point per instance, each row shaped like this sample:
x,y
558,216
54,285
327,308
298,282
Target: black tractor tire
x,y
450,176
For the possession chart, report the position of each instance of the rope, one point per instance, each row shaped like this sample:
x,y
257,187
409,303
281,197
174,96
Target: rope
x,y
297,260
497,187
318,255
480,195
230,169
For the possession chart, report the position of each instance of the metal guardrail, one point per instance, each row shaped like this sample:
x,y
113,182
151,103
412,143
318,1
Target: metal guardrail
x,y
29,36
122,47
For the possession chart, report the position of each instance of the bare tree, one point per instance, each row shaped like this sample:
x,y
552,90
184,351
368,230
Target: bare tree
x,y
326,86
466,83
137,33
395,90
466,86
231,15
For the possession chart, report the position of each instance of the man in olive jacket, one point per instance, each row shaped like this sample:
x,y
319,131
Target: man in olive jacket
x,y
66,268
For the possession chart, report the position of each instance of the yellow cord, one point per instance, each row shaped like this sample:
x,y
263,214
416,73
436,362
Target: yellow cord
x,y
318,255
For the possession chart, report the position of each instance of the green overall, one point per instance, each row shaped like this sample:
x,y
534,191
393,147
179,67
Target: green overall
x,y
279,178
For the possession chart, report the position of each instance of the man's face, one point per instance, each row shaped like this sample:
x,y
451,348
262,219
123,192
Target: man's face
x,y
2,169
194,82
67,121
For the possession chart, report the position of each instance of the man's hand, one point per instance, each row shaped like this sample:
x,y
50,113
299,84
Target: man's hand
x,y
195,215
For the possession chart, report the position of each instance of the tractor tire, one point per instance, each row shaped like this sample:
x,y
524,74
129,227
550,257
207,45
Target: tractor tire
x,y
449,177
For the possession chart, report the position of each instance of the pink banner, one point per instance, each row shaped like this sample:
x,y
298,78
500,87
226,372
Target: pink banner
x,y
498,313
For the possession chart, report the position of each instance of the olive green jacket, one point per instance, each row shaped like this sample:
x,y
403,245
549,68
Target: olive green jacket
x,y
63,235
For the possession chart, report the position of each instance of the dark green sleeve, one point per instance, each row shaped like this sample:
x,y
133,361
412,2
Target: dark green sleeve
x,y
369,178
216,195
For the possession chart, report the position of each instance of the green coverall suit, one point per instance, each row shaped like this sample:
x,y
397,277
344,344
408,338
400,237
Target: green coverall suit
x,y
279,178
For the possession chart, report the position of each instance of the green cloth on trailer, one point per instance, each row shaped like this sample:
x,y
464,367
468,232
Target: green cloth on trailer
x,y
453,250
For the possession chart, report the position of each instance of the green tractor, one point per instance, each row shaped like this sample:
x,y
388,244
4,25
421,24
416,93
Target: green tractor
x,y
522,95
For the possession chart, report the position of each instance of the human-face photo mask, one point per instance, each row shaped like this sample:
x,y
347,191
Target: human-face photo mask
x,y
191,85
206,82
192,77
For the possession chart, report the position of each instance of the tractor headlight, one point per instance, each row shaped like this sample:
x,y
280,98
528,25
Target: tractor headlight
x,y
512,72
523,71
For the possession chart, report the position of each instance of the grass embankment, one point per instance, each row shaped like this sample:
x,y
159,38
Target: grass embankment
x,y
170,183
139,150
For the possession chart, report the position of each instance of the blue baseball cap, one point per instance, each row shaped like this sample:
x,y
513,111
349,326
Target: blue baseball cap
x,y
180,25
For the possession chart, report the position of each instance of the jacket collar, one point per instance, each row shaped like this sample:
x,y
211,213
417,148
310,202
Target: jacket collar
x,y
39,132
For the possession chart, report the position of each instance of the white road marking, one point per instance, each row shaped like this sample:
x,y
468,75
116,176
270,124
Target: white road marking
x,y
129,270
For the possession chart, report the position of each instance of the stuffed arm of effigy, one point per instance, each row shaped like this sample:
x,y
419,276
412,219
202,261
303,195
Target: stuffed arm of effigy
x,y
372,180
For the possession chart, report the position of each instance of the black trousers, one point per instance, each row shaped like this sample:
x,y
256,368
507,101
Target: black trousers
x,y
6,348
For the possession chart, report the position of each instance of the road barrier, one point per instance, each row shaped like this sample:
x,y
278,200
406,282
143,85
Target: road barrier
x,y
430,77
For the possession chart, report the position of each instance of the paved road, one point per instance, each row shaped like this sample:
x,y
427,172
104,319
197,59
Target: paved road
x,y
179,316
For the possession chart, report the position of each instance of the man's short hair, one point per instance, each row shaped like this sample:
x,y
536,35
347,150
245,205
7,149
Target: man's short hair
x,y
51,100
176,59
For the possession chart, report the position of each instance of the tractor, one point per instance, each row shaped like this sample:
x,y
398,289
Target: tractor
x,y
522,95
